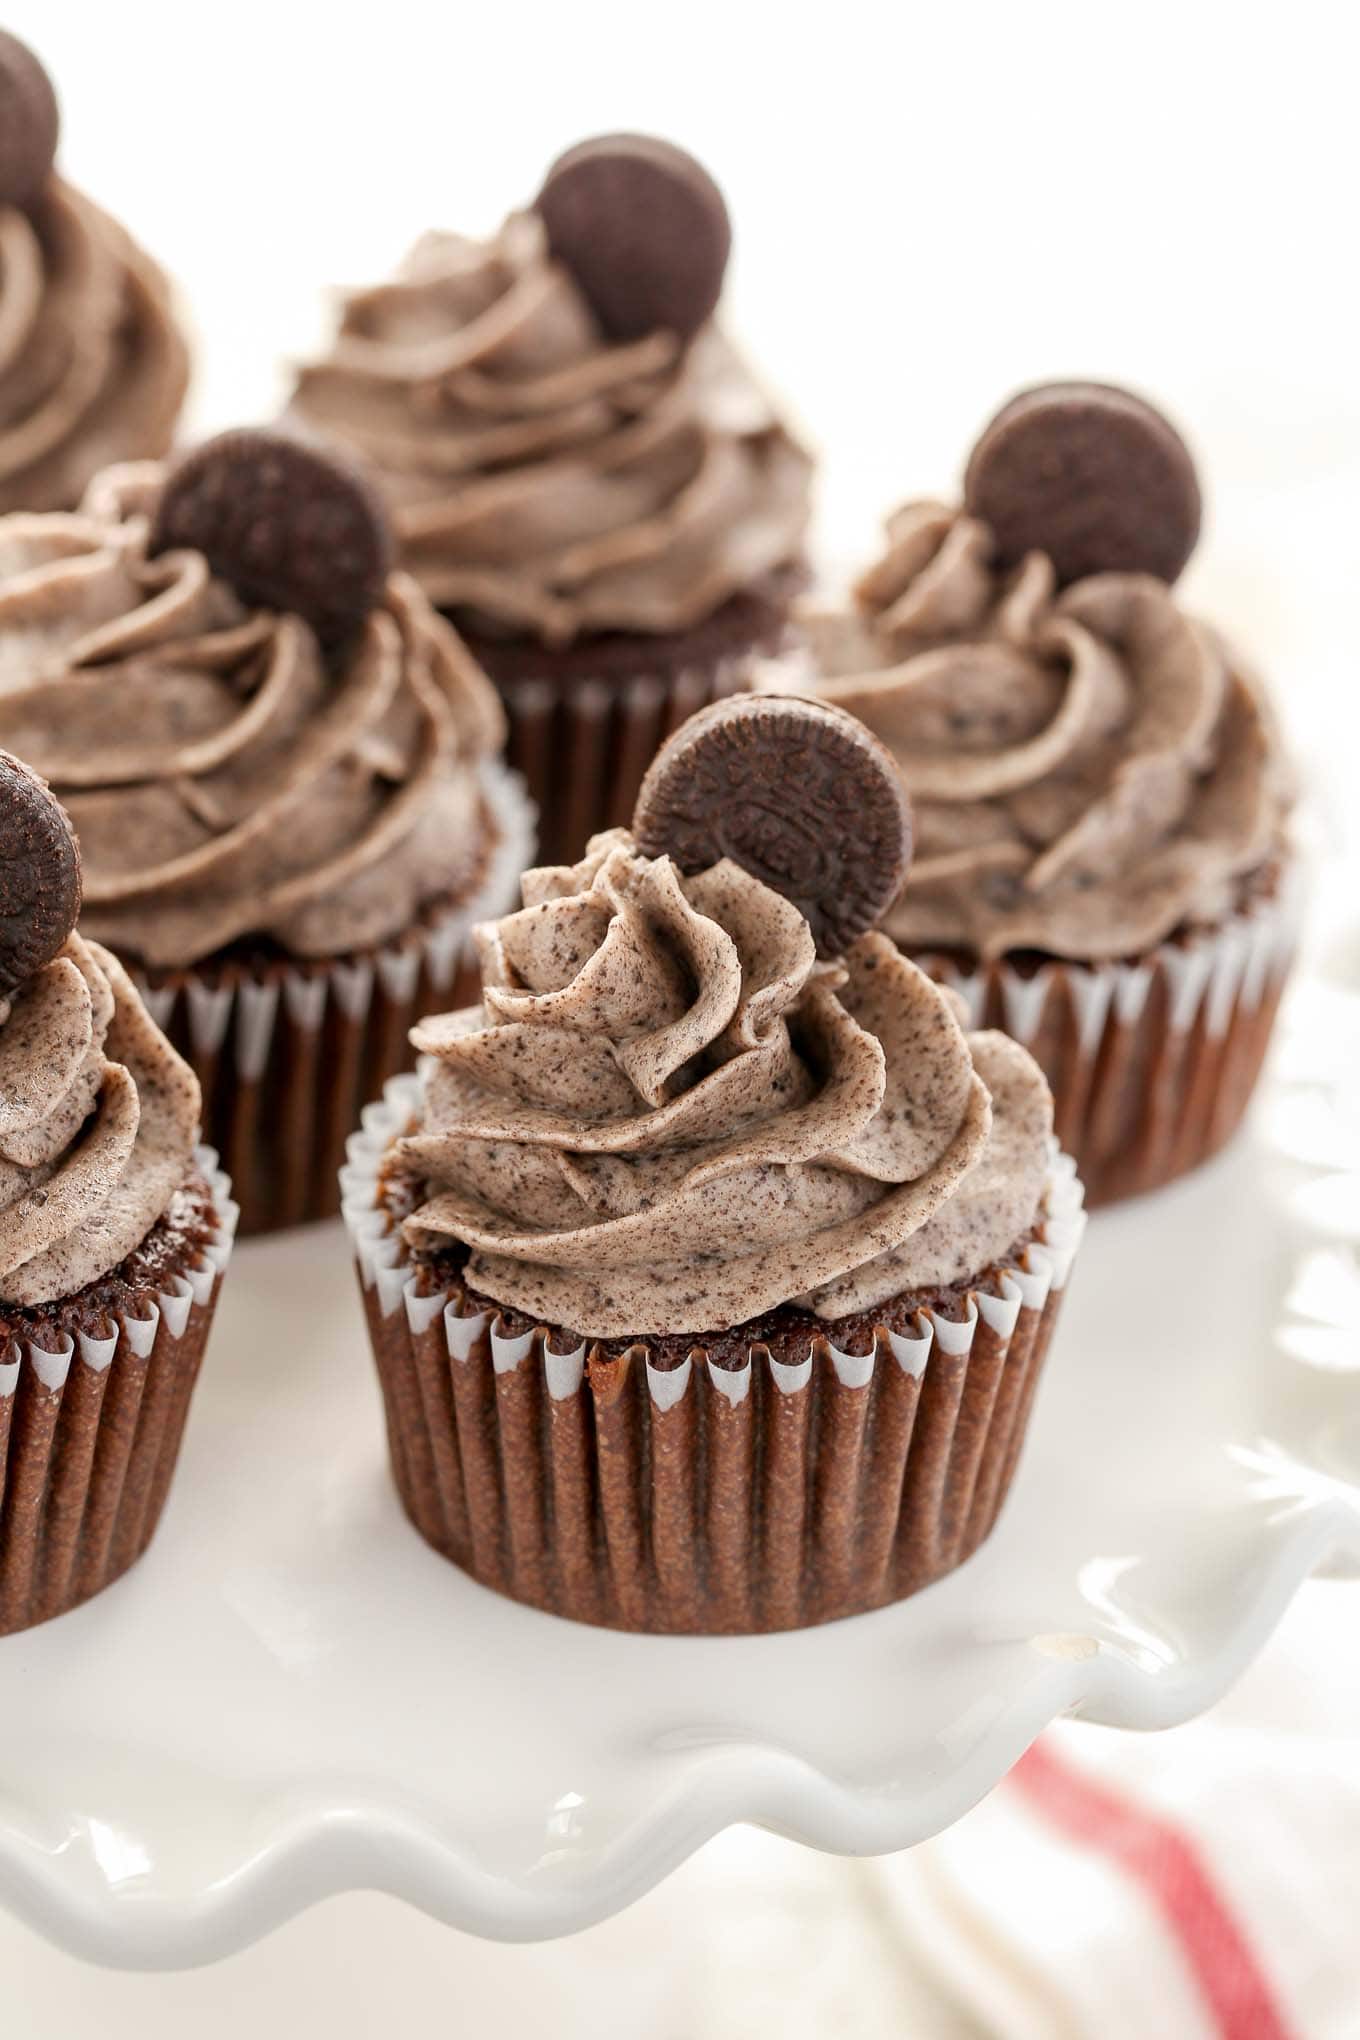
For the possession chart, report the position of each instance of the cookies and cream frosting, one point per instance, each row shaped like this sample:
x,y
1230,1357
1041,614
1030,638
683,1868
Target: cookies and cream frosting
x,y
93,367
668,1116
98,1120
225,777
1090,769
544,482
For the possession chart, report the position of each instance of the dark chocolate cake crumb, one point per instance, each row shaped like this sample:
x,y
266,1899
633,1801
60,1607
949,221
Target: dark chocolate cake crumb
x,y
175,1243
756,619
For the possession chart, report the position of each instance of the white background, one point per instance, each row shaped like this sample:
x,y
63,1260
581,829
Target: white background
x,y
932,204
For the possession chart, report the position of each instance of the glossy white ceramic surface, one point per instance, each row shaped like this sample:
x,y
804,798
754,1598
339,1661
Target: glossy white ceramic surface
x,y
292,1696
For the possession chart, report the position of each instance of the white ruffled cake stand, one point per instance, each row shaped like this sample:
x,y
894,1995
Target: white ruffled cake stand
x,y
292,1696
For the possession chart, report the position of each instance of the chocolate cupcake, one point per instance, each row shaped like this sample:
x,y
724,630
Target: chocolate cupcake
x,y
282,767
710,1265
1104,864
93,367
114,1229
582,471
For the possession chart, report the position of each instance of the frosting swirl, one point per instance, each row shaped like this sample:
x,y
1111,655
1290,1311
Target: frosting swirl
x,y
1090,770
93,367
224,778
668,1116
98,1120
543,482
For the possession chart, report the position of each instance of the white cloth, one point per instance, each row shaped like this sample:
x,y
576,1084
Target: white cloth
x,y
1203,1884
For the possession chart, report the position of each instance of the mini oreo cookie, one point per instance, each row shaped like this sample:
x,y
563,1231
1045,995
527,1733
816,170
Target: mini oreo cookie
x,y
29,123
292,527
643,229
798,793
1090,475
39,874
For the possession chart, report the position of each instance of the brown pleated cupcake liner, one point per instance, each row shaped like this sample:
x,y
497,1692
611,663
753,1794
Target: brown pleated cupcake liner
x,y
701,1500
584,744
289,1051
90,1433
1152,1062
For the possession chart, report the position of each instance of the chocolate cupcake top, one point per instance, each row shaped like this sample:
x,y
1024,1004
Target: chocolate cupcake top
x,y
234,770
98,1115
669,1116
93,367
568,443
1092,769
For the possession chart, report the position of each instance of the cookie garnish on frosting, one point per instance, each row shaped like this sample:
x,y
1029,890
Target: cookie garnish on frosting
x,y
29,123
644,230
1090,475
797,793
39,874
290,527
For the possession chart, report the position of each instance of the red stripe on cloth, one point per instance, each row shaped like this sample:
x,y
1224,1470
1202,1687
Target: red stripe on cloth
x,y
1149,1849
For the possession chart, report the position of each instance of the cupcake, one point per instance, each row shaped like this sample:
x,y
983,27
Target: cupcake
x,y
709,1264
93,367
1104,864
583,473
281,764
114,1229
